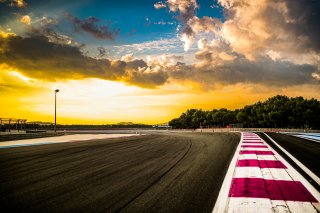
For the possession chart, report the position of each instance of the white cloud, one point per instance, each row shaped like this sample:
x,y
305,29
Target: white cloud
x,y
159,5
160,46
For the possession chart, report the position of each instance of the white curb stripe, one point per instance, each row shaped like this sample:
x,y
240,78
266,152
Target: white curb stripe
x,y
265,173
256,157
254,149
263,205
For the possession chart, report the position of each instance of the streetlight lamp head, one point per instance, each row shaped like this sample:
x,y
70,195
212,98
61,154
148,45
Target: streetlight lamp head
x,y
57,90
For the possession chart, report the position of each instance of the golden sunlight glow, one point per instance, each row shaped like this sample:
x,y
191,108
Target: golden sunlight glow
x,y
95,101
6,34
20,76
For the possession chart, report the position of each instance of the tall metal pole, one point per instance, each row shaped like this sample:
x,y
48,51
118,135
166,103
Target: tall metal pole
x,y
55,110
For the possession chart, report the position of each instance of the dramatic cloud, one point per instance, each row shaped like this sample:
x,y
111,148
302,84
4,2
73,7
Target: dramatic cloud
x,y
282,30
90,26
269,42
192,24
205,24
261,71
187,9
37,57
284,27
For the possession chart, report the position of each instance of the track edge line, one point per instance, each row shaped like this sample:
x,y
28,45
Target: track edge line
x,y
301,165
221,202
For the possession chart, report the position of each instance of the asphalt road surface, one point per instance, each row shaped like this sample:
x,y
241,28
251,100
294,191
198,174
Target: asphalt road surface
x,y
153,173
306,151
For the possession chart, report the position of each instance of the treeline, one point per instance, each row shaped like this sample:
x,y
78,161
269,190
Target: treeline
x,y
277,112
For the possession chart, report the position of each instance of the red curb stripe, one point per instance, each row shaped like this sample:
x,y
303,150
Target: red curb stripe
x,y
247,138
272,189
253,142
261,163
257,152
254,146
252,139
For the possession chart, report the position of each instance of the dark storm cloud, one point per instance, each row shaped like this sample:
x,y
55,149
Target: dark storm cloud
x,y
263,71
306,16
90,26
36,57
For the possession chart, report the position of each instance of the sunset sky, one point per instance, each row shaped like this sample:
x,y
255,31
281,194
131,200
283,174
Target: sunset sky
x,y
147,61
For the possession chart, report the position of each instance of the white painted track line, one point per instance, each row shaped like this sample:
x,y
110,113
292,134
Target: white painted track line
x,y
296,175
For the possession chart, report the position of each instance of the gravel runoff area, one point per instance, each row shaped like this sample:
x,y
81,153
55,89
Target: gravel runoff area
x,y
169,172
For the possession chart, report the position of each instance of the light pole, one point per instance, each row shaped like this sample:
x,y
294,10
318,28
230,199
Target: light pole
x,y
55,109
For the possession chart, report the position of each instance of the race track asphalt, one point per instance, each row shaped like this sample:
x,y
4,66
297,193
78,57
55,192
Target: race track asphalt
x,y
172,172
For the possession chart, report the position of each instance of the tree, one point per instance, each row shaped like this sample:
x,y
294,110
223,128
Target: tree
x,y
277,111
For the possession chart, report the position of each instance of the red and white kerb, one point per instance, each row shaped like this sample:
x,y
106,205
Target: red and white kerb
x,y
263,181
